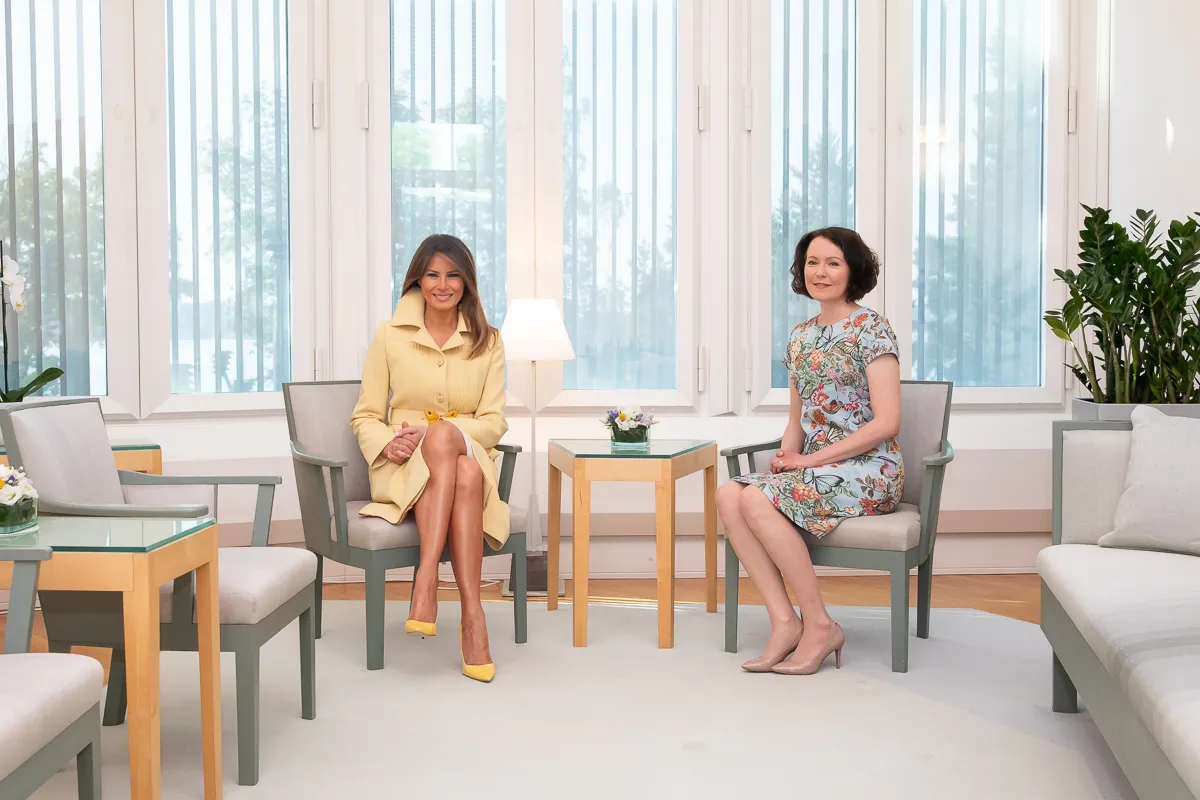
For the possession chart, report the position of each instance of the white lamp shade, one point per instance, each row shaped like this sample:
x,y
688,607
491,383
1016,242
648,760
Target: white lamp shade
x,y
533,330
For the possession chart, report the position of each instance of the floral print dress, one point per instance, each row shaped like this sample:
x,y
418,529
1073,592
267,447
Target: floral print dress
x,y
828,366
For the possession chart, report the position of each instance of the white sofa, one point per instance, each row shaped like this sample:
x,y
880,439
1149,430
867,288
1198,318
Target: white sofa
x,y
1124,624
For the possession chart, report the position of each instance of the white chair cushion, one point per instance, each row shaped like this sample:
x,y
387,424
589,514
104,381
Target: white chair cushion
x,y
254,582
1160,507
41,695
373,533
897,531
1140,612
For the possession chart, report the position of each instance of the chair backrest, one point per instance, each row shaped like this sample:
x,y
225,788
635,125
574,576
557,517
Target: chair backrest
x,y
924,422
318,415
63,447
1090,461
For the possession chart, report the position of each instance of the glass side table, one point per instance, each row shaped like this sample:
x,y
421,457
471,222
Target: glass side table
x,y
662,463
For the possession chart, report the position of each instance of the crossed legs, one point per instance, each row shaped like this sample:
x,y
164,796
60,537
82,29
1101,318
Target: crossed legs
x,y
776,557
450,511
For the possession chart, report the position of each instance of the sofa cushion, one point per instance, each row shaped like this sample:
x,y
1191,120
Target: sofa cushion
x,y
1140,612
1160,507
899,531
41,695
254,582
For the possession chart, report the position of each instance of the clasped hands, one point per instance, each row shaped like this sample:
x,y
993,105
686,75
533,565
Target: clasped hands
x,y
789,462
404,443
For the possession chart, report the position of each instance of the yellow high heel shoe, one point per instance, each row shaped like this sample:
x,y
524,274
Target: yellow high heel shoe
x,y
422,628
476,672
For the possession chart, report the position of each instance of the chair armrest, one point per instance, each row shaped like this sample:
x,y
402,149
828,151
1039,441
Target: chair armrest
x,y
941,459
60,508
18,632
508,466
316,461
509,448
141,479
750,449
28,553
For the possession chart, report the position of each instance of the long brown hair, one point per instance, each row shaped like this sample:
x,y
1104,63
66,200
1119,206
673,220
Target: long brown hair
x,y
471,306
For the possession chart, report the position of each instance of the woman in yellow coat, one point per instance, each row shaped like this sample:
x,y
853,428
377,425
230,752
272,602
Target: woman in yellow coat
x,y
428,419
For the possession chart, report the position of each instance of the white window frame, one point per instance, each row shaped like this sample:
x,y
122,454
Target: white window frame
x,y
1061,164
548,52
755,377
153,314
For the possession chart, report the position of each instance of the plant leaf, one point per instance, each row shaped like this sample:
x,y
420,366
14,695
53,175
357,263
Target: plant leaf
x,y
48,376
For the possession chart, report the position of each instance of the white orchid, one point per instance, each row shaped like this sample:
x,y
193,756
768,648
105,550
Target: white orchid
x,y
9,267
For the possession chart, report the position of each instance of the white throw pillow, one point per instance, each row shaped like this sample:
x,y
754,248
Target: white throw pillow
x,y
1160,507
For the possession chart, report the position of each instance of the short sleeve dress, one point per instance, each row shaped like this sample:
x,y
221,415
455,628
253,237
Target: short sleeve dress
x,y
827,364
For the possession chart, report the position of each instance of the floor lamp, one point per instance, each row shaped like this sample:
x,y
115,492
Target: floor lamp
x,y
533,331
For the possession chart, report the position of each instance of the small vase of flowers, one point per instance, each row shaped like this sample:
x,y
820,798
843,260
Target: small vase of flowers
x,y
630,428
18,501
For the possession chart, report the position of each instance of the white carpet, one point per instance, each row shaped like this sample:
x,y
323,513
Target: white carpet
x,y
622,718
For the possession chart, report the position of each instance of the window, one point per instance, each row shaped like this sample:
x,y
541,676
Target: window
x,y
52,192
979,198
448,131
621,193
227,128
813,109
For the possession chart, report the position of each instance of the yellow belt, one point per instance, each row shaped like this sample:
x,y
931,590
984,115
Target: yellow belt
x,y
432,416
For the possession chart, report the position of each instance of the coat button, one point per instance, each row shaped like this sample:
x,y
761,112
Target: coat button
x,y
441,399
441,362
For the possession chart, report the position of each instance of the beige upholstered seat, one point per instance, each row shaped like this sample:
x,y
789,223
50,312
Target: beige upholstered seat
x,y
41,695
897,531
254,582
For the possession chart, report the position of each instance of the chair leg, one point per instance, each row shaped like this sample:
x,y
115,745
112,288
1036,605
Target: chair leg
x,y
521,596
308,663
924,596
115,699
375,597
1064,695
247,665
899,619
731,598
320,594
88,770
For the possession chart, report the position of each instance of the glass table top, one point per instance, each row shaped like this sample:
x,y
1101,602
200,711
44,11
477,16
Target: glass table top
x,y
603,448
118,445
103,534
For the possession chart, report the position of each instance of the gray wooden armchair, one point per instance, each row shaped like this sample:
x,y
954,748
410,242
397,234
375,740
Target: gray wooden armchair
x,y
64,449
332,480
893,543
49,702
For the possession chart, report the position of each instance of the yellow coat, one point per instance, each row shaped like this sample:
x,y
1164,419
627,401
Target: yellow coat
x,y
403,359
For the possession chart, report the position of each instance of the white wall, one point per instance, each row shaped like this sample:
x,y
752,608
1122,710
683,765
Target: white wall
x,y
1155,120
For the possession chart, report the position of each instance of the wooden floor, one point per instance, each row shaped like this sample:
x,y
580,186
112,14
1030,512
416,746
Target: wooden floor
x,y
1016,596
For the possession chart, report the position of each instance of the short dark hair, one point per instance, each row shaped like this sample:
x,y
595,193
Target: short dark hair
x,y
863,263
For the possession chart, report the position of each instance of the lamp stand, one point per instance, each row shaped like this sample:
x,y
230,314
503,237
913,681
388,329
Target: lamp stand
x,y
536,579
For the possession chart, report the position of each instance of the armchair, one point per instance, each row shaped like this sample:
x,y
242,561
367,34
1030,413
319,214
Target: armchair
x,y
63,447
332,480
49,702
894,542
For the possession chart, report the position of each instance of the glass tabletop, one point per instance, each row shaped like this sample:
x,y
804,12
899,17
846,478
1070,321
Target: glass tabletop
x,y
603,448
117,445
104,534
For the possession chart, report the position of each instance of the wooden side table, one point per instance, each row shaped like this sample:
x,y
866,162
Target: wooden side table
x,y
132,456
135,557
663,463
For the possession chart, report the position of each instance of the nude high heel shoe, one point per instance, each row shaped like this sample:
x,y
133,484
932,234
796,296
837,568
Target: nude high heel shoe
x,y
765,662
833,644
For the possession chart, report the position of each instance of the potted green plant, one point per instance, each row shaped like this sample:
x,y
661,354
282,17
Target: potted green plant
x,y
12,293
1132,319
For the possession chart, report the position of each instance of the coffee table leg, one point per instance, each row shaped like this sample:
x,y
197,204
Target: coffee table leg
x,y
208,630
664,534
710,538
142,681
582,516
553,535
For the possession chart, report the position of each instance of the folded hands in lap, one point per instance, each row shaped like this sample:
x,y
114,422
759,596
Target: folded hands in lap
x,y
404,443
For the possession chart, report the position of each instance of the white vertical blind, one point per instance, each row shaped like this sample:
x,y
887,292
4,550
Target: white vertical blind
x,y
52,190
227,104
813,95
979,195
620,203
448,135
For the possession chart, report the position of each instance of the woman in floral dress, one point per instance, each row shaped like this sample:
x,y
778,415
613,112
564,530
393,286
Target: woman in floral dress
x,y
838,458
